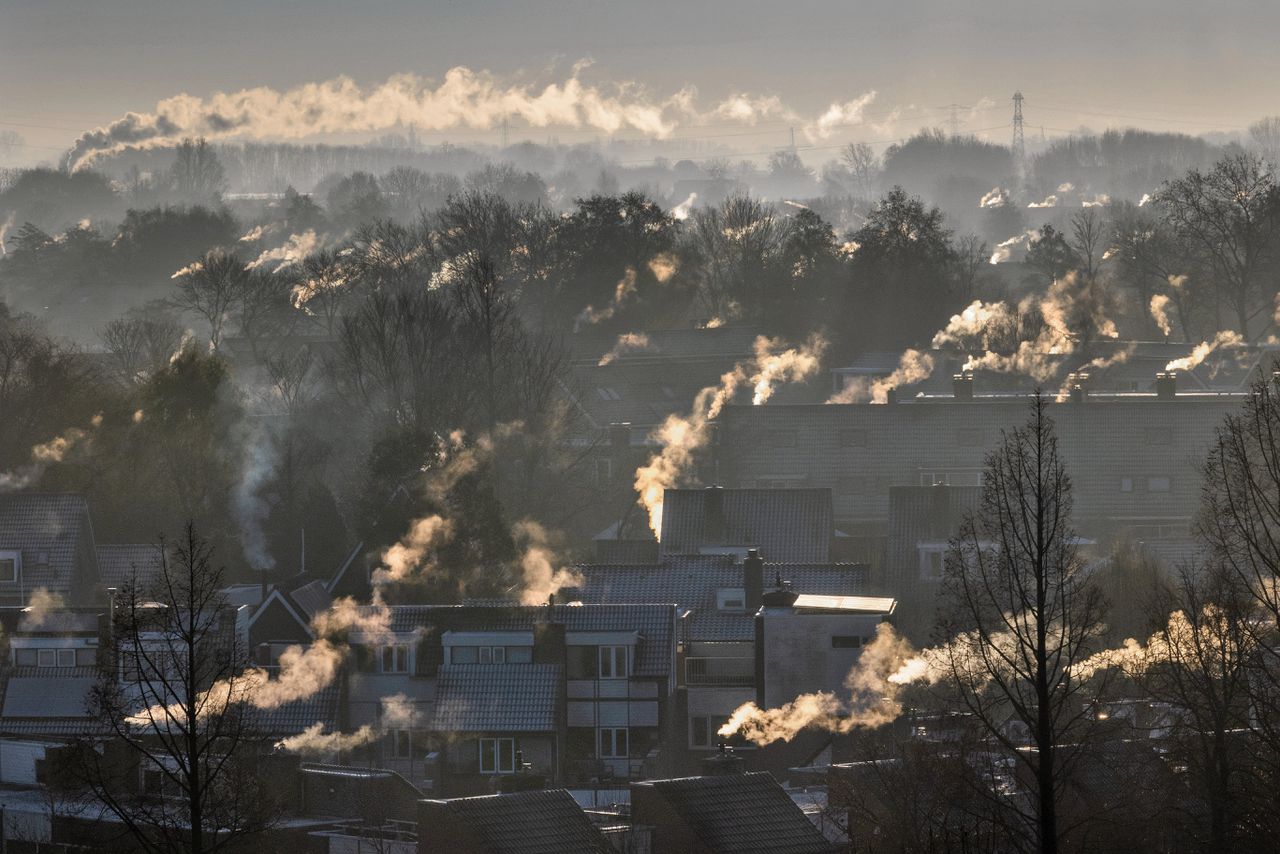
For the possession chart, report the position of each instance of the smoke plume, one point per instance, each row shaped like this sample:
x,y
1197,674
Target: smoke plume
x,y
46,454
682,436
628,342
463,99
913,366
292,251
249,506
621,293
872,702
1160,312
42,603
995,198
543,574
1225,338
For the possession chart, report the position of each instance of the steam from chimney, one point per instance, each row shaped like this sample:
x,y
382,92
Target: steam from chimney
x,y
1004,249
292,251
995,198
682,210
628,342
315,741
1101,200
622,291
542,576
46,454
913,366
682,436
873,699
249,506
1160,312
1050,201
664,265
464,99
42,603
1225,338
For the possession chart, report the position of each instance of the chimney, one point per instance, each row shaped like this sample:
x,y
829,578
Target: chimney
x,y
620,435
781,596
714,530
891,395
962,385
1078,384
753,580
723,763
1166,385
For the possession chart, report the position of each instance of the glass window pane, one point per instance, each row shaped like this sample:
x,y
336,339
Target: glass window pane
x,y
506,755
499,655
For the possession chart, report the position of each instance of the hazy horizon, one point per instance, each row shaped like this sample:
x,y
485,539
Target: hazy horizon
x,y
72,67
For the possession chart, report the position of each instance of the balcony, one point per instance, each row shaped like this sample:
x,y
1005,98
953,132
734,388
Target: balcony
x,y
729,672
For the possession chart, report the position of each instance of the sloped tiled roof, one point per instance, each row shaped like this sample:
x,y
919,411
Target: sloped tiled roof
x,y
292,718
740,813
118,563
539,822
47,529
692,582
497,698
653,621
46,697
787,525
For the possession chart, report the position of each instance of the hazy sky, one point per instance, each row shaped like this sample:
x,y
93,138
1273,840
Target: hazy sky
x,y
1166,64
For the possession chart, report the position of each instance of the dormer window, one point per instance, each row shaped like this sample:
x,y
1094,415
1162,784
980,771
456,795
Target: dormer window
x,y
10,566
731,599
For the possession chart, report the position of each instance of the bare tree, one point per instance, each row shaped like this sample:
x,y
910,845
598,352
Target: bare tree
x,y
141,343
176,707
863,166
212,288
1231,216
1018,616
196,174
1200,663
1241,523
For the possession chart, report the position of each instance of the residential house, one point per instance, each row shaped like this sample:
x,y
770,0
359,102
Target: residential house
x,y
534,822
581,694
1134,459
46,543
725,814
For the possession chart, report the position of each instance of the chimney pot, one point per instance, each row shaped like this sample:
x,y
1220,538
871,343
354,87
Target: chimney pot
x,y
962,385
753,580
1166,385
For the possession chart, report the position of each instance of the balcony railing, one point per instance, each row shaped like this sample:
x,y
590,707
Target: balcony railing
x,y
739,672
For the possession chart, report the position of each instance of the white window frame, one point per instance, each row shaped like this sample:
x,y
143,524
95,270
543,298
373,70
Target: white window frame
x,y
399,744
491,749
933,561
492,655
617,658
399,653
613,742
14,559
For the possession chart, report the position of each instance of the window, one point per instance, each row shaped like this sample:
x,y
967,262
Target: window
x,y
395,658
398,744
497,755
8,566
933,560
1158,484
56,658
613,662
731,599
846,642
493,655
1126,484
612,743
699,732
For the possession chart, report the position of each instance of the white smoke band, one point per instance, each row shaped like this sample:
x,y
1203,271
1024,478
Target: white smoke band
x,y
46,454
463,99
627,343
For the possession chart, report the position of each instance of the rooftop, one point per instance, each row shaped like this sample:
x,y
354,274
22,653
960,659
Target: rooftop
x,y
497,698
538,822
